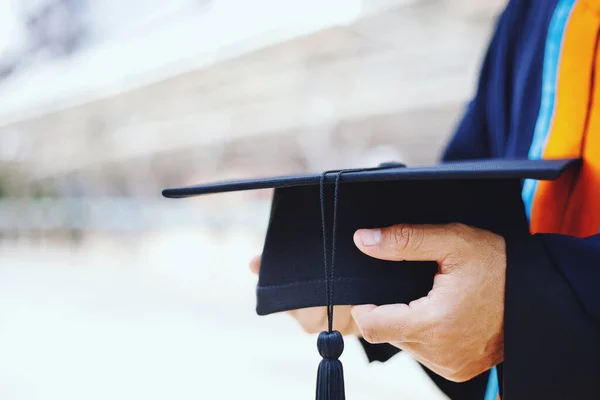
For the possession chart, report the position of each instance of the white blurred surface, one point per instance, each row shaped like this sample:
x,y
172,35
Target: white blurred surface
x,y
166,316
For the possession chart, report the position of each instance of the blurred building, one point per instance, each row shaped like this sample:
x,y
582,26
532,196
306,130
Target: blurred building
x,y
136,95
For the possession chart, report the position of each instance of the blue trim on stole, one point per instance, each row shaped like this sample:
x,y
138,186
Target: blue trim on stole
x,y
543,124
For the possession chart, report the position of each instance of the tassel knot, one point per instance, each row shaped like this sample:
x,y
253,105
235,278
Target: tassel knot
x,y
330,345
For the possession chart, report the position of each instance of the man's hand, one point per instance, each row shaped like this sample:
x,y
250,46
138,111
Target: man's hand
x,y
314,320
457,330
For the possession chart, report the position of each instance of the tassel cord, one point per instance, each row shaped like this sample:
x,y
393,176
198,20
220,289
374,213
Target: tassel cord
x,y
329,268
330,375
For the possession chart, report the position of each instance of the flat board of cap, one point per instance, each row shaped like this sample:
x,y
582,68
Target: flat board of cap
x,y
485,169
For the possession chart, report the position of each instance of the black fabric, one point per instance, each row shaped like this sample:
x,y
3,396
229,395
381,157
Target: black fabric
x,y
551,341
291,274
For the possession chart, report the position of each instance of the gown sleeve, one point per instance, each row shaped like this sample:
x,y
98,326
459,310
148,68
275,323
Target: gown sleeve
x,y
552,318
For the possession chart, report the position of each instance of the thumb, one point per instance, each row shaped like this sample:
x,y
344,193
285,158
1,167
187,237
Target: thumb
x,y
407,242
392,322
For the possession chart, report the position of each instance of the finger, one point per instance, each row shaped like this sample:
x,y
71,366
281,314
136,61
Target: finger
x,y
312,320
255,265
408,242
393,323
343,321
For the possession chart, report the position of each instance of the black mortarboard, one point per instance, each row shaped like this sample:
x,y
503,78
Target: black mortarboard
x,y
309,257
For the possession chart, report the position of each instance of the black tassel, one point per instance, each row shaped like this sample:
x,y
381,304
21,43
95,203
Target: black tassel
x,y
330,376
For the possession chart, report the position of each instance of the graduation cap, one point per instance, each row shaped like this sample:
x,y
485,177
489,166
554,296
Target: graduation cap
x,y
309,258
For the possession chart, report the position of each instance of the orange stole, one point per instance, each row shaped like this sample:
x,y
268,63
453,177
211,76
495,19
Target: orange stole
x,y
571,205
583,211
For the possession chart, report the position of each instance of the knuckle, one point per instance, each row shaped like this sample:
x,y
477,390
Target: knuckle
x,y
397,237
406,236
458,230
462,242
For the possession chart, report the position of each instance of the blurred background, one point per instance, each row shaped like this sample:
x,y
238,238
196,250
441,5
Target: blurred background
x,y
108,290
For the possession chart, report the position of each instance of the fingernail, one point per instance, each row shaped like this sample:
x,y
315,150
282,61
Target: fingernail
x,y
369,237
